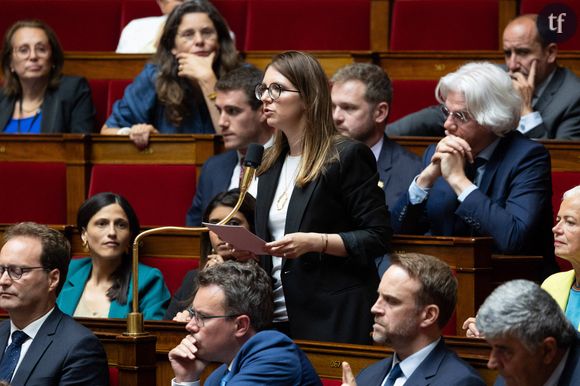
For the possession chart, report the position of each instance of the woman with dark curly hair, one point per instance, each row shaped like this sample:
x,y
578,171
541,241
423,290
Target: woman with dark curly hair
x,y
175,93
36,98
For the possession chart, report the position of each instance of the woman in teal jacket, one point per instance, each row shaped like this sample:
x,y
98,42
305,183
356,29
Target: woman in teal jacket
x,y
100,285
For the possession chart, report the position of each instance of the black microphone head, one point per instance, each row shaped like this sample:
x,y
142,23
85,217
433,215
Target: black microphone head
x,y
254,155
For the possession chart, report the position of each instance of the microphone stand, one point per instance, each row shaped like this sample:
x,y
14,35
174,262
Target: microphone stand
x,y
135,325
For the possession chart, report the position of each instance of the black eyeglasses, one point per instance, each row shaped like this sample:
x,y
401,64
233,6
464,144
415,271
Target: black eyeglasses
x,y
461,116
201,318
15,273
274,90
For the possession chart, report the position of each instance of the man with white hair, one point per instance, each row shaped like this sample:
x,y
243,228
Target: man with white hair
x,y
550,94
532,342
484,178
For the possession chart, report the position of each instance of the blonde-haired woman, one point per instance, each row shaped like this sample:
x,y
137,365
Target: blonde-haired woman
x,y
320,207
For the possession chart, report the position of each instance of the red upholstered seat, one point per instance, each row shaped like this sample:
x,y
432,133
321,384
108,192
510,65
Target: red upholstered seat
x,y
33,192
100,94
235,13
116,91
331,382
113,376
81,25
136,9
160,194
536,6
444,25
173,270
410,96
308,25
105,92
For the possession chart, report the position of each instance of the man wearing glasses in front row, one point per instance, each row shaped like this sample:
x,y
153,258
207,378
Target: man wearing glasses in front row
x,y
230,314
40,345
484,178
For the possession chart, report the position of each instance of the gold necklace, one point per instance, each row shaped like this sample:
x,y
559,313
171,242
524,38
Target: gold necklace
x,y
282,198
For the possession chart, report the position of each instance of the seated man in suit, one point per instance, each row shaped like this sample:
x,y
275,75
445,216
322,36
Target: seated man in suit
x,y
230,314
361,97
484,178
532,342
550,94
417,296
242,122
40,344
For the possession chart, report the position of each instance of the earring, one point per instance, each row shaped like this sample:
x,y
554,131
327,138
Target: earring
x,y
86,245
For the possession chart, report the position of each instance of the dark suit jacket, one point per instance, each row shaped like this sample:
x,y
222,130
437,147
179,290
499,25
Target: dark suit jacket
x,y
62,353
67,109
329,298
268,358
441,368
397,167
571,373
559,107
215,178
513,203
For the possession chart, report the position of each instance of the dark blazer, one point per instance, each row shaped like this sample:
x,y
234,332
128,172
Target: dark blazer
x,y
329,298
559,107
215,178
62,353
397,167
441,367
513,203
67,109
571,373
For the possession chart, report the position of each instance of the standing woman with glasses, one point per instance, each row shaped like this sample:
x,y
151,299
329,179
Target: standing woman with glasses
x,y
320,206
175,93
36,98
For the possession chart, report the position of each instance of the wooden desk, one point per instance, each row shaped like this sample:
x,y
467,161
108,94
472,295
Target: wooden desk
x,y
399,65
79,152
70,149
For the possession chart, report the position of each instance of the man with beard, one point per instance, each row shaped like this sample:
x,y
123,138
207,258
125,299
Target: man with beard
x,y
417,296
550,107
361,100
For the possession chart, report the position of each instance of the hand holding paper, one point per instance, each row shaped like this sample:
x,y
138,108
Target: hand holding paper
x,y
240,237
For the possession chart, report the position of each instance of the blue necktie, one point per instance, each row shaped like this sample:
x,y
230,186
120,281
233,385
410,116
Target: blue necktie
x,y
471,169
393,375
11,355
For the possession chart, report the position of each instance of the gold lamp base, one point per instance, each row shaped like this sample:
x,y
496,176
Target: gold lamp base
x,y
135,324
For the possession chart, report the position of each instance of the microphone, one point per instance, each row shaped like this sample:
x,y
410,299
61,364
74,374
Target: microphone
x,y
252,162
